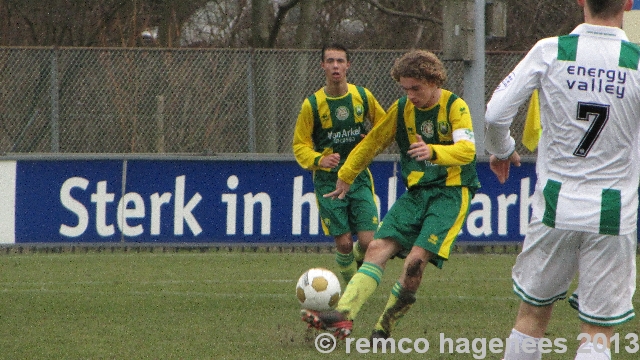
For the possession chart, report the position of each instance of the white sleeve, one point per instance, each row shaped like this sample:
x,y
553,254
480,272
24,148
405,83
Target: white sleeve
x,y
510,94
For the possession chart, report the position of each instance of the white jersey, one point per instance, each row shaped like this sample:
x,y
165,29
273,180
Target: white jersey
x,y
588,162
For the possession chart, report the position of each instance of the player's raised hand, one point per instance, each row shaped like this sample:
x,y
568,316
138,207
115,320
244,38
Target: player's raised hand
x,y
329,161
419,150
501,167
342,188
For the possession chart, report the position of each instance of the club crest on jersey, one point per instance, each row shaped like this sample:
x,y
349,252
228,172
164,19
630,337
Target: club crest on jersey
x,y
359,110
444,128
427,129
342,113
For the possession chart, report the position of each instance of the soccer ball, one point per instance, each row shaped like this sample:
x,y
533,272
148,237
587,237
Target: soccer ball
x,y
318,289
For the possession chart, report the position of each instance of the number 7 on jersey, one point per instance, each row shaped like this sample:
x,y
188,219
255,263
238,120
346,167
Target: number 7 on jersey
x,y
599,113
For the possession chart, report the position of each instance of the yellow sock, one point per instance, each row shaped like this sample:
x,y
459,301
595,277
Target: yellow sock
x,y
346,266
361,286
400,301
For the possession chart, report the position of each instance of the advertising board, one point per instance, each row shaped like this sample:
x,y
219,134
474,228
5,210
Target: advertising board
x,y
205,201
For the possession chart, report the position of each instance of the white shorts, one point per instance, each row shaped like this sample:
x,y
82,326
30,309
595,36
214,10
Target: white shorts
x,y
606,264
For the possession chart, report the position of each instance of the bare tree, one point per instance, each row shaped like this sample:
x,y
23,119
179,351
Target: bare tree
x,y
260,17
305,29
528,22
221,23
368,24
60,22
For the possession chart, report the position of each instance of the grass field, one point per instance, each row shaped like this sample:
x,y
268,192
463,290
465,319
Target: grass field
x,y
238,305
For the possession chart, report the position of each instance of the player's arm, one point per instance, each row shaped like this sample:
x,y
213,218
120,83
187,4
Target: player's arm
x,y
380,136
512,92
463,149
303,148
376,111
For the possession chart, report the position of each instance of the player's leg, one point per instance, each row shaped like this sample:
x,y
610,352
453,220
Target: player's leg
x,y
366,280
368,277
439,214
333,223
606,286
334,216
381,249
541,275
403,293
598,349
360,246
531,323
363,213
402,226
359,289
533,320
344,256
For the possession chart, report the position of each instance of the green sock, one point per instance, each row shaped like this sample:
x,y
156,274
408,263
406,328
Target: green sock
x,y
361,286
346,266
358,251
400,301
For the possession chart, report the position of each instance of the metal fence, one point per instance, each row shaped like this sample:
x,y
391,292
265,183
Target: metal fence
x,y
177,101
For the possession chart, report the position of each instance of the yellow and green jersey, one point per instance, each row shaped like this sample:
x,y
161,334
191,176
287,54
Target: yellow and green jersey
x,y
446,127
328,125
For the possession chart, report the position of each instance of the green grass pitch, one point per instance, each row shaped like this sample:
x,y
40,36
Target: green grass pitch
x,y
239,305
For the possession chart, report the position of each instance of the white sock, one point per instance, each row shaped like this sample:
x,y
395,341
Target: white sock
x,y
514,349
589,351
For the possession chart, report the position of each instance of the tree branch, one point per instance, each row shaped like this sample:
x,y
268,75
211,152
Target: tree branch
x,y
277,24
30,24
393,12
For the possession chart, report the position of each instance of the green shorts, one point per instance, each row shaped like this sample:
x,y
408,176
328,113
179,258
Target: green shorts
x,y
356,212
430,218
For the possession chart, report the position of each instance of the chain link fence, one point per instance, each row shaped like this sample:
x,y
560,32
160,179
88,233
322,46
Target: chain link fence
x,y
181,101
